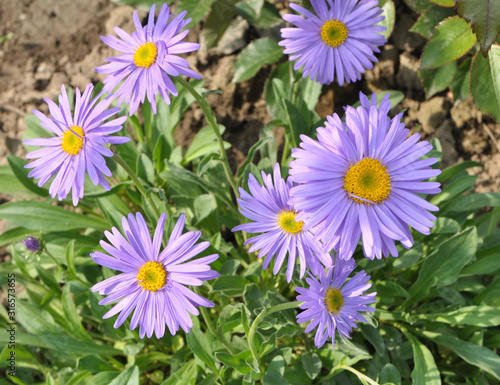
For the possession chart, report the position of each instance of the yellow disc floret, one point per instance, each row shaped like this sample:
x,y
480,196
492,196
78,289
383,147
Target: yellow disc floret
x,y
152,276
145,55
286,220
367,179
334,33
71,143
333,300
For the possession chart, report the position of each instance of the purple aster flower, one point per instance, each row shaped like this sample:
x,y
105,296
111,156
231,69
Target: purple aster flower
x,y
152,282
78,145
32,244
360,178
339,41
332,304
149,57
268,206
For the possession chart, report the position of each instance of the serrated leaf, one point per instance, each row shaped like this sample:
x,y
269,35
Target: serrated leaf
x,y
484,15
442,267
485,82
46,217
425,371
452,39
437,79
426,23
254,56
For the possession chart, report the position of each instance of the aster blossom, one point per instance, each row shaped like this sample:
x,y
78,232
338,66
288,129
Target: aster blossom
x,y
152,281
339,41
272,215
332,304
79,144
360,179
148,60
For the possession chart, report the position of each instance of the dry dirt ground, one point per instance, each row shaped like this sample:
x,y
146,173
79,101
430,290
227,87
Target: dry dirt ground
x,y
58,42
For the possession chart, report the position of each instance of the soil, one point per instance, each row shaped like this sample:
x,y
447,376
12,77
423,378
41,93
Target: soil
x,y
58,42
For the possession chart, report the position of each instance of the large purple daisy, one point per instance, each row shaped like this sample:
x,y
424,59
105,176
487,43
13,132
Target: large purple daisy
x,y
268,206
152,282
339,41
149,57
334,305
360,179
78,145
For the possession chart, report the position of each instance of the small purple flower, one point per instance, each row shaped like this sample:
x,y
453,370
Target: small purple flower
x,y
332,304
152,282
149,59
79,144
268,206
339,41
32,244
360,179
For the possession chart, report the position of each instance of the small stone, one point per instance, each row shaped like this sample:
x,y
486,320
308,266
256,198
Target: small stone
x,y
463,112
44,72
233,39
432,113
407,76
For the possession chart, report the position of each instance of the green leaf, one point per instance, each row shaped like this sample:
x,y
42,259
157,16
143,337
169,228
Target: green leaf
x,y
255,55
230,285
437,79
129,376
441,268
390,374
429,19
460,85
443,3
389,13
204,143
35,319
473,202
449,172
203,206
13,235
485,82
71,315
488,261
259,13
196,9
484,15
251,154
10,184
474,354
235,361
17,166
199,344
45,217
93,363
218,21
425,371
145,169
273,378
452,39
418,5
482,316
312,364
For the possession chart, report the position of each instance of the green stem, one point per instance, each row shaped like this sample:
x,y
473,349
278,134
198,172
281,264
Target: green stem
x,y
211,326
210,116
53,259
360,375
260,317
117,158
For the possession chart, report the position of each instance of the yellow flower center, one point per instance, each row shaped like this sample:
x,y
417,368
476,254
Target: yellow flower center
x,y
71,143
152,276
333,300
287,222
334,33
145,55
367,179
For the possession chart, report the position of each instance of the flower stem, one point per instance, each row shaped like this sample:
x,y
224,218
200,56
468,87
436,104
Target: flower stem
x,y
260,317
212,122
118,159
211,327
